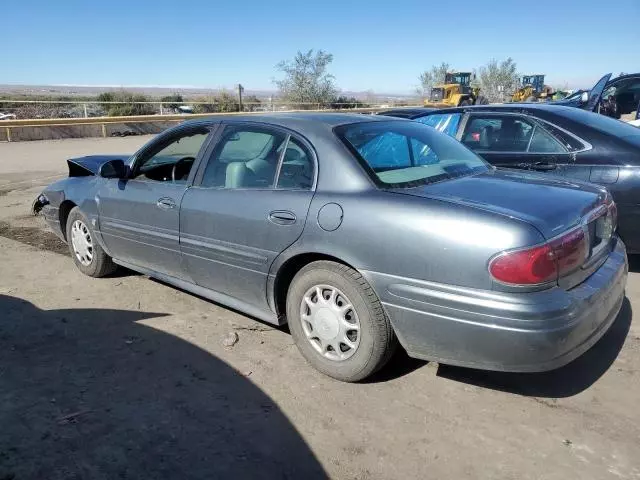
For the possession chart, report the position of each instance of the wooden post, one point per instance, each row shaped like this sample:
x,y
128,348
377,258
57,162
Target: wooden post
x,y
240,90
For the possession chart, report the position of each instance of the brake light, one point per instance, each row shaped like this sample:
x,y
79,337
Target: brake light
x,y
543,263
570,250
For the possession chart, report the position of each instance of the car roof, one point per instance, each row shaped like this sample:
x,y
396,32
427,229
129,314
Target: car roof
x,y
505,107
301,121
624,77
409,112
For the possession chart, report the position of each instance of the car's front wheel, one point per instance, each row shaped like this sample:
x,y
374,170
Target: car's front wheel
x,y
338,322
86,252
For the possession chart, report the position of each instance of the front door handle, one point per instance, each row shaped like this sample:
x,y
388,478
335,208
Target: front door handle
x,y
166,203
282,217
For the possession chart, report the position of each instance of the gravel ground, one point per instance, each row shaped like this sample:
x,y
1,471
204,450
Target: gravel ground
x,y
126,377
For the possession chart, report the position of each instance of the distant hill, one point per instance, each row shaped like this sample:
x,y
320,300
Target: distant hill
x,y
159,91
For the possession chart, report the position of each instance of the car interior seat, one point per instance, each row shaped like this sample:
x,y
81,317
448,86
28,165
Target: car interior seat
x,y
486,137
511,135
255,173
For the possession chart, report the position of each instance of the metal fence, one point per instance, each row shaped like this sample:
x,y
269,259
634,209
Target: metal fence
x,y
48,109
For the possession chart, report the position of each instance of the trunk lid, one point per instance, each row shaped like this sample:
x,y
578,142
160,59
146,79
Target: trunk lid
x,y
551,204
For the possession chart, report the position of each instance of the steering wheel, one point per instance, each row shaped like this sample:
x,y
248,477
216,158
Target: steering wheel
x,y
181,167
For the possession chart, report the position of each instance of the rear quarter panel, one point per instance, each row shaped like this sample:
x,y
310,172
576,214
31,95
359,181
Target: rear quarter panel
x,y
412,237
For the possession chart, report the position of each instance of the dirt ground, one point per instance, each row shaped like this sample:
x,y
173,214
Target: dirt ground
x,y
126,377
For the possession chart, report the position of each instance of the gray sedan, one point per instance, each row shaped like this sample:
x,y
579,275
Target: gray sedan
x,y
360,232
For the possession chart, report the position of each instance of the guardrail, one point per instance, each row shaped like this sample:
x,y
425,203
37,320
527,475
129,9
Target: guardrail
x,y
51,128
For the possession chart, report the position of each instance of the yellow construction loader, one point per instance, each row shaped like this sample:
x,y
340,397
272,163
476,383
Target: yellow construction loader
x,y
456,91
532,89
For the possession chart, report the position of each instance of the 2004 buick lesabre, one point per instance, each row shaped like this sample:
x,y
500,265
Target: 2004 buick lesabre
x,y
359,232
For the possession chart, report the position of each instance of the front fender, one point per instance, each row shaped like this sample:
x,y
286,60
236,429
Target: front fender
x,y
79,191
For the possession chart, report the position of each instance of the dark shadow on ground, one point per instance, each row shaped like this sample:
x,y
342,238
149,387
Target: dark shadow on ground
x,y
566,381
399,365
93,393
634,263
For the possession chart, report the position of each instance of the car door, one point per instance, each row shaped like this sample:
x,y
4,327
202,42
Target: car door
x,y
513,140
595,94
139,215
249,203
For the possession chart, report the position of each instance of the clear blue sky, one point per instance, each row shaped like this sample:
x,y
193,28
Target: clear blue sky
x,y
381,45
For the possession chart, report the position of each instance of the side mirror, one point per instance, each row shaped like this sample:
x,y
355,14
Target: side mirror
x,y
113,169
584,98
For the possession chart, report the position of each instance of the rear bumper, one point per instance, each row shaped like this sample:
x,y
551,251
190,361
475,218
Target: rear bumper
x,y
523,332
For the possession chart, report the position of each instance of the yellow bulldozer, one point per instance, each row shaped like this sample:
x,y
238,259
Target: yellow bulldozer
x,y
456,91
532,89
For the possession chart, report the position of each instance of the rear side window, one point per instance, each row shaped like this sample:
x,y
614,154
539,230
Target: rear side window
x,y
516,133
569,142
443,122
498,133
296,171
543,142
245,145
245,157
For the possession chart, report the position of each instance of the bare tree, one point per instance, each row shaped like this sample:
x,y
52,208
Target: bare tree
x,y
306,79
432,77
498,79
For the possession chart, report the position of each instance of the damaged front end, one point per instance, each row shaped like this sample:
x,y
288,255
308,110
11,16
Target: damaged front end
x,y
39,203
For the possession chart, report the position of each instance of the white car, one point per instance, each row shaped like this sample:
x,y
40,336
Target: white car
x,y
7,116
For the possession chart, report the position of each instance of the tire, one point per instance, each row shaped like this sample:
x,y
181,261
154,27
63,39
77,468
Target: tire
x,y
531,99
99,264
376,341
482,100
464,103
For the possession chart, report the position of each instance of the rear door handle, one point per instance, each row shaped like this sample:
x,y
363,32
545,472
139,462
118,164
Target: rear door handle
x,y
166,203
544,167
282,217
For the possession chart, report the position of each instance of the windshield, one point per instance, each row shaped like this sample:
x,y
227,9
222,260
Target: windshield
x,y
408,154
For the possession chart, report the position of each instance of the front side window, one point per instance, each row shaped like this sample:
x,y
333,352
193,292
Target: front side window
x,y
443,122
406,154
245,157
171,159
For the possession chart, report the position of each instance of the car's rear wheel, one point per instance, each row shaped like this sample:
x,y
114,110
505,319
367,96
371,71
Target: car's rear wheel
x,y
338,322
86,252
465,103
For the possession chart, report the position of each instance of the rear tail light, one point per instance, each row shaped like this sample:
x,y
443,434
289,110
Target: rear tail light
x,y
542,263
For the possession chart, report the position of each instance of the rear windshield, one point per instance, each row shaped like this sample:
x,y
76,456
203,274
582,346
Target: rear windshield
x,y
407,154
602,123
